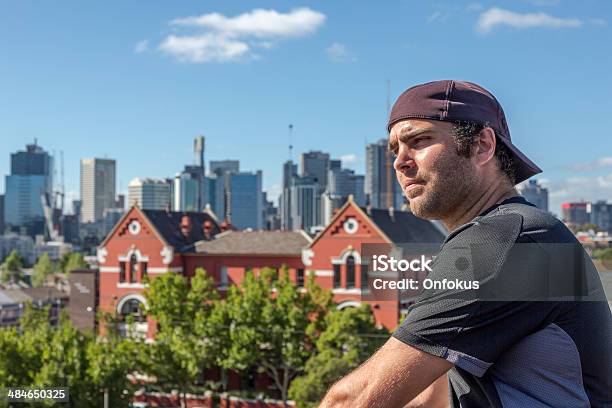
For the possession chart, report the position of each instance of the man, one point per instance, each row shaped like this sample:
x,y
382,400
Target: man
x,y
537,333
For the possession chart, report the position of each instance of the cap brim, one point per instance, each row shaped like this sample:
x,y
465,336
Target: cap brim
x,y
525,168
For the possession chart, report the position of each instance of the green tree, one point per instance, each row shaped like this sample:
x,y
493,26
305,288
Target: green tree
x,y
182,347
272,325
11,268
64,363
111,360
75,261
350,337
42,269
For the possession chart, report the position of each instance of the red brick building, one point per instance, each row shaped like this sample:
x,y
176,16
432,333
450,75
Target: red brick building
x,y
146,243
149,243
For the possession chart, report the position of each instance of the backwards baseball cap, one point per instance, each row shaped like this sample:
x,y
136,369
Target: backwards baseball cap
x,y
453,101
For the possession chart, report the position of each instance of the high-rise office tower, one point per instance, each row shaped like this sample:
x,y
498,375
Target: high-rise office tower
x,y
198,152
30,181
381,186
186,192
221,166
316,164
149,194
305,203
601,215
244,199
284,205
98,180
575,213
535,194
341,184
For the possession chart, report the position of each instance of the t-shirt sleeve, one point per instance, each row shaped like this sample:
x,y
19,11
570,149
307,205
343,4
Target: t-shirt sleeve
x,y
469,328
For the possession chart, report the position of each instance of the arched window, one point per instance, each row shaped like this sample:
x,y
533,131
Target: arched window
x,y
134,308
350,272
133,263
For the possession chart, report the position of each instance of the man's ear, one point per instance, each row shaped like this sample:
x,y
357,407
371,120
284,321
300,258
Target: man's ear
x,y
485,146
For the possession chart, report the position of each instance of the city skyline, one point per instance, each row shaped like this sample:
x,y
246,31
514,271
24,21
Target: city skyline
x,y
126,91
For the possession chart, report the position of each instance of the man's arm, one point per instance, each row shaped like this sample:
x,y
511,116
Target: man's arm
x,y
434,396
392,377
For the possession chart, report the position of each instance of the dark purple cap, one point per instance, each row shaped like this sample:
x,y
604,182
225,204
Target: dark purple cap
x,y
460,101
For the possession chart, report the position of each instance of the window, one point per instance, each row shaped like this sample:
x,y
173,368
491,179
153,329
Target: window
x,y
336,276
223,281
300,278
134,308
121,272
364,276
350,272
143,270
133,263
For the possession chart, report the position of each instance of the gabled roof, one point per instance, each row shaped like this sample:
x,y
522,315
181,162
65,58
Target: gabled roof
x,y
168,225
289,243
403,226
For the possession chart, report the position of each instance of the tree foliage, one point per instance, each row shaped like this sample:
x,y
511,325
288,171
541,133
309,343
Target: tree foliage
x,y
42,269
349,338
272,325
11,268
182,309
74,261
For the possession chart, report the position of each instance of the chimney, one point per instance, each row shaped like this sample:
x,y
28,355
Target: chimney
x,y
185,225
207,229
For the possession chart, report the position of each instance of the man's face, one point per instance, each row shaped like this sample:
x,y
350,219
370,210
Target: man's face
x,y
434,178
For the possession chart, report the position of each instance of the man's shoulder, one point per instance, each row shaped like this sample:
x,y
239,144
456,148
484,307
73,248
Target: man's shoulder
x,y
513,222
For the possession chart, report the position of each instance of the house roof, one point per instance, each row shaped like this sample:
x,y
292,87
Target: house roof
x,y
168,225
403,226
288,243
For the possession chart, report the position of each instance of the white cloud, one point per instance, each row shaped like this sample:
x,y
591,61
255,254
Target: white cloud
x,y
223,39
141,46
339,52
259,23
579,188
593,165
494,17
204,48
350,159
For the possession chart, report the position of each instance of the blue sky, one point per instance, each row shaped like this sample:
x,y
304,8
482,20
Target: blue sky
x,y
136,81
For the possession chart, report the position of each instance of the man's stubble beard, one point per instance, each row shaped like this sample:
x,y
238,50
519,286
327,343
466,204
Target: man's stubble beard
x,y
443,193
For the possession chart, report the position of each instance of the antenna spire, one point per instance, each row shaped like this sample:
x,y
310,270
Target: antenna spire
x,y
290,144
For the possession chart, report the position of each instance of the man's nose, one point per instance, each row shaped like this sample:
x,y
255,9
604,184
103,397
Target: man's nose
x,y
403,161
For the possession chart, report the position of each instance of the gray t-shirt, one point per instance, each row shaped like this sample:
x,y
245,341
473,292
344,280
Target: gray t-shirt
x,y
537,332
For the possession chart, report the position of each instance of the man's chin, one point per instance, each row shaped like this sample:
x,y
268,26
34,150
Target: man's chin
x,y
418,208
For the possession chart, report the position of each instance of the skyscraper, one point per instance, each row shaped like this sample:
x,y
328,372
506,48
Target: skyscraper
x,y
341,184
149,194
535,194
221,166
316,165
601,215
305,203
245,200
98,180
29,182
575,213
284,205
185,192
198,152
381,186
